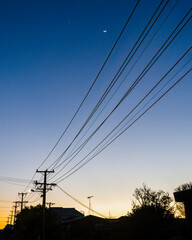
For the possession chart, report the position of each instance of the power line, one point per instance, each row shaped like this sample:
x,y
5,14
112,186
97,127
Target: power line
x,y
119,133
16,184
118,74
105,62
81,202
142,74
123,127
30,182
35,200
147,94
73,151
30,195
11,179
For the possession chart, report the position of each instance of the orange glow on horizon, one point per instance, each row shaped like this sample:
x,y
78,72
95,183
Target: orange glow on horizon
x,y
3,218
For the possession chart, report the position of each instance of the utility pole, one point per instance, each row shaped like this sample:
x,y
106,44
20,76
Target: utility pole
x,y
90,207
8,220
22,199
11,217
50,204
44,187
15,211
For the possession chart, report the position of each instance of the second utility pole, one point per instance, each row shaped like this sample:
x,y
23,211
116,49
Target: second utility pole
x,y
22,199
15,211
44,189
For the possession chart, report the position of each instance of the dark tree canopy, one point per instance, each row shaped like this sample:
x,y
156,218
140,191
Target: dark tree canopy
x,y
29,223
185,186
156,204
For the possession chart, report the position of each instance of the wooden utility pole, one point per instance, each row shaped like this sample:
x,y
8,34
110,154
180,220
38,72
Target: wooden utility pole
x,y
22,199
44,187
50,204
11,217
8,220
15,211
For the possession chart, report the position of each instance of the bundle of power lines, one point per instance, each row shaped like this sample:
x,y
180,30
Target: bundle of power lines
x,y
95,134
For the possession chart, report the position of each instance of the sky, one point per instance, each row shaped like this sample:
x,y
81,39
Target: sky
x,y
51,52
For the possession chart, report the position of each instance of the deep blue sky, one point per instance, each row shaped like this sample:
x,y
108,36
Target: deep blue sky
x,y
51,51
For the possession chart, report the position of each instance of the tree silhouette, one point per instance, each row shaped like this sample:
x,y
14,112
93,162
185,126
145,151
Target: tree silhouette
x,y
151,205
183,187
29,223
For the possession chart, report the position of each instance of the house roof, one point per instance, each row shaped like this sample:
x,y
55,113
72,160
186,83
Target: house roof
x,y
183,196
67,213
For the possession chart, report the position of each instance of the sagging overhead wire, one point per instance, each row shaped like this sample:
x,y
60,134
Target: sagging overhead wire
x,y
82,204
53,165
35,200
31,181
109,143
75,149
118,74
16,184
143,107
146,69
105,62
15,180
155,86
30,195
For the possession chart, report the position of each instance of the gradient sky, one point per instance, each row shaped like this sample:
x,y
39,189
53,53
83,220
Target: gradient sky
x,y
51,51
